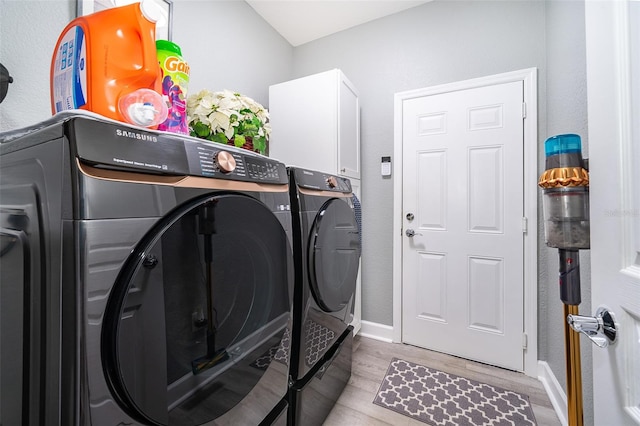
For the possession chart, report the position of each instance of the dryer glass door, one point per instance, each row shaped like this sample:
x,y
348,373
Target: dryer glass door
x,y
196,321
334,252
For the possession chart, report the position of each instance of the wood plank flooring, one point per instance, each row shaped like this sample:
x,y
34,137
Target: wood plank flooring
x,y
371,359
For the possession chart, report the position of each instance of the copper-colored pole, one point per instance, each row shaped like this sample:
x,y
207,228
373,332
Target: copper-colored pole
x,y
574,369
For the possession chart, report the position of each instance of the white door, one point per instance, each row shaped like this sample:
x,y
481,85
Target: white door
x,y
463,197
613,84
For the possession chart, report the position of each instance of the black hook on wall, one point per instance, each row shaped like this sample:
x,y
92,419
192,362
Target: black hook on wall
x,y
5,79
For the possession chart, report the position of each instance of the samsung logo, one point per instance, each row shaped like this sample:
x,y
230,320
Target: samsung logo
x,y
136,135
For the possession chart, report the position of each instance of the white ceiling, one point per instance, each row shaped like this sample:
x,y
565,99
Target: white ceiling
x,y
302,21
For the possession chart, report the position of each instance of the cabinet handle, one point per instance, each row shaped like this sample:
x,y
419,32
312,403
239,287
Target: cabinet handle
x,y
343,170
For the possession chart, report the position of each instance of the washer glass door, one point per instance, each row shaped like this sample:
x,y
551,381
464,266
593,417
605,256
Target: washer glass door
x,y
195,323
333,253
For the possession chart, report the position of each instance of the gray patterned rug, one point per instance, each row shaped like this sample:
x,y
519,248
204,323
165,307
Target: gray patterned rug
x,y
317,339
279,352
438,398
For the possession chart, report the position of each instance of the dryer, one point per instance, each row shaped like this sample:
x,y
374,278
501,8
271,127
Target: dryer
x,y
326,257
146,278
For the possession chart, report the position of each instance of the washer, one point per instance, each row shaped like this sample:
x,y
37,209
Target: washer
x,y
326,255
146,278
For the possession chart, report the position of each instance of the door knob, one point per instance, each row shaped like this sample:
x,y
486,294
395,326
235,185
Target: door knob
x,y
600,329
411,233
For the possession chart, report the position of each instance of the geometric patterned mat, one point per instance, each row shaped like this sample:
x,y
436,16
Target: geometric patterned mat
x,y
279,352
317,338
438,398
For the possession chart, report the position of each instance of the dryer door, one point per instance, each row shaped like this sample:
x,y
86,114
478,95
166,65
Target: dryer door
x,y
334,251
195,323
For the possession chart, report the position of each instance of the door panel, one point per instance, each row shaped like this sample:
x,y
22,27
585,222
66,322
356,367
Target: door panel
x,y
432,185
486,185
486,294
463,288
431,302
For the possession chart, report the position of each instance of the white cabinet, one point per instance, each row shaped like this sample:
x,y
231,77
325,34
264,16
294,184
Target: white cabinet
x,y
315,122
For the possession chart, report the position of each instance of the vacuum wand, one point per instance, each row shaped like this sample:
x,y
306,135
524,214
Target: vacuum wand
x,y
570,296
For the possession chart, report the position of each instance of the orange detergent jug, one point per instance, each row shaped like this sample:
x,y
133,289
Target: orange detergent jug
x,y
102,58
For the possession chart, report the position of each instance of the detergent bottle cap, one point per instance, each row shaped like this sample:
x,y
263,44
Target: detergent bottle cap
x,y
143,107
151,11
169,46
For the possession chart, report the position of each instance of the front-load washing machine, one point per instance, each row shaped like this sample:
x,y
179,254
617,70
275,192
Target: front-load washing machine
x,y
326,257
146,278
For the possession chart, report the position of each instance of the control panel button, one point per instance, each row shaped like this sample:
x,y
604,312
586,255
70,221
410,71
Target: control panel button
x,y
225,161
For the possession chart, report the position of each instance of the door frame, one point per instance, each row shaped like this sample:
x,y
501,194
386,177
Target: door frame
x,y
530,110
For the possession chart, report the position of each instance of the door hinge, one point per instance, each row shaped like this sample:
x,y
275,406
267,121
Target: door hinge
x,y
525,225
524,340
524,110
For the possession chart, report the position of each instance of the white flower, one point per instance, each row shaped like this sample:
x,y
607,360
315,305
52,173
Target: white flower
x,y
220,116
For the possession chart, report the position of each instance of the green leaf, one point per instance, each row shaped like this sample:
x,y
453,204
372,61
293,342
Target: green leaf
x,y
219,137
239,140
260,143
201,130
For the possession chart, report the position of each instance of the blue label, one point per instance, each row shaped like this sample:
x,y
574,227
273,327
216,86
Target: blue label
x,y
79,72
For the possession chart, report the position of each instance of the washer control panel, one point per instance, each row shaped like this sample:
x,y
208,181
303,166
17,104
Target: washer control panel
x,y
310,179
118,146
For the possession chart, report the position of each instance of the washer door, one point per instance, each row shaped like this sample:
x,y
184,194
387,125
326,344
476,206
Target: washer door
x,y
198,315
333,253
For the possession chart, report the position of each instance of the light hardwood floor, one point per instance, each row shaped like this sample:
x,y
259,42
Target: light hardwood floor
x,y
371,359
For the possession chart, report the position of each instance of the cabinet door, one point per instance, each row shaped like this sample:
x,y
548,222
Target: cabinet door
x,y
348,130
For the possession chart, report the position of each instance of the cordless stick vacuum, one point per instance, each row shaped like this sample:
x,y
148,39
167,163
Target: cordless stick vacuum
x,y
206,227
565,184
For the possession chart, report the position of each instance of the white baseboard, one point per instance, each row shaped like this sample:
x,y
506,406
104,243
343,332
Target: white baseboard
x,y
555,392
377,331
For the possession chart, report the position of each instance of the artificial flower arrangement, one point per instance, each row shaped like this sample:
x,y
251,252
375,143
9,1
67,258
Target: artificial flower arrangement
x,y
228,117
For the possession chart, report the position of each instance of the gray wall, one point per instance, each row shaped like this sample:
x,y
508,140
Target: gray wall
x,y
229,46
